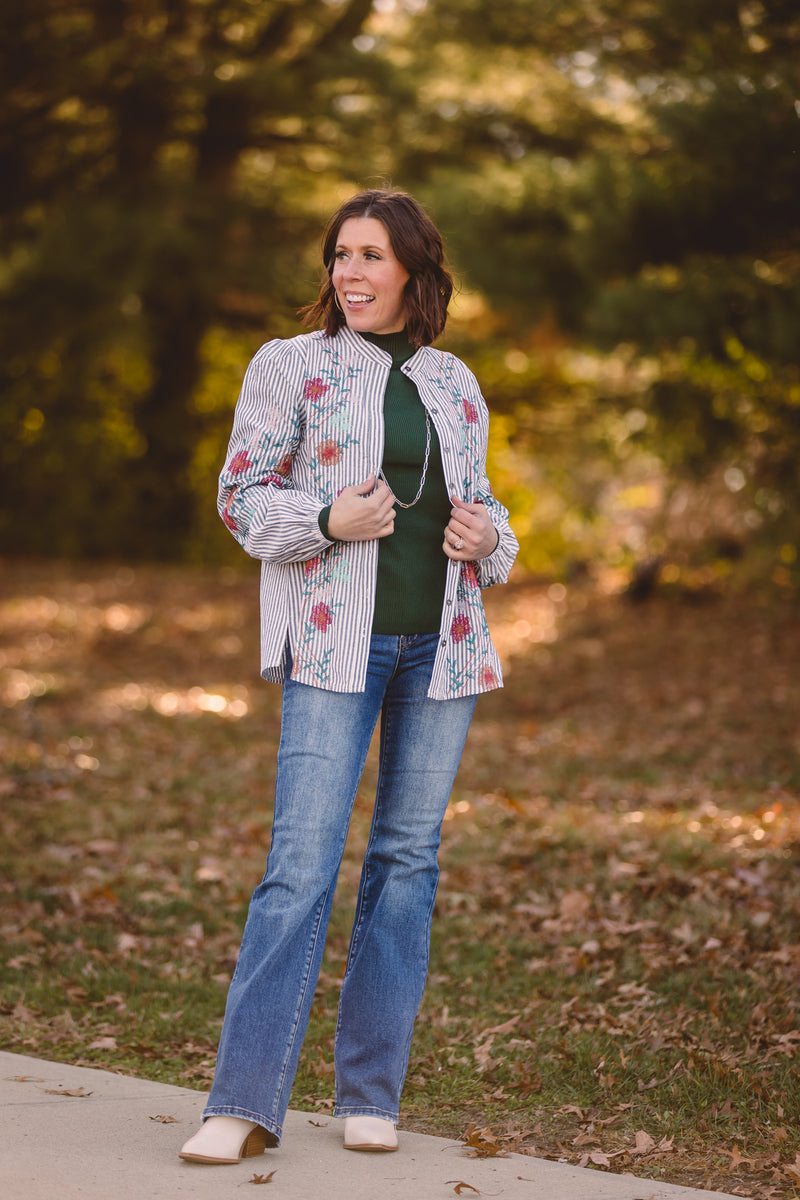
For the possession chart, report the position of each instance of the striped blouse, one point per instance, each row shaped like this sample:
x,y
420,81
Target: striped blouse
x,y
308,423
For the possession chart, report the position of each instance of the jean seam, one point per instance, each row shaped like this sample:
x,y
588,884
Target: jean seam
x,y
306,974
357,922
372,835
358,918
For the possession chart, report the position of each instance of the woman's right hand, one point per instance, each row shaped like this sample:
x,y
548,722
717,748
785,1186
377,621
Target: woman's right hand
x,y
362,512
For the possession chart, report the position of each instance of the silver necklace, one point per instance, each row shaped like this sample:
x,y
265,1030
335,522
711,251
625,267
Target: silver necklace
x,y
424,469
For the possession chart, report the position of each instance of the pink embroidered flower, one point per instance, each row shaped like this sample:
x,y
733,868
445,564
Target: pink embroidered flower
x,y
311,565
469,575
226,514
315,389
321,616
239,463
460,627
470,411
487,677
329,453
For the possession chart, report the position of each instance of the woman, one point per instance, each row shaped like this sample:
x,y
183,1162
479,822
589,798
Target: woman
x,y
356,473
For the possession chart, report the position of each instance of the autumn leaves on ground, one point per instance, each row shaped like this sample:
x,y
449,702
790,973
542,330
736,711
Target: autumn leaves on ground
x,y
616,959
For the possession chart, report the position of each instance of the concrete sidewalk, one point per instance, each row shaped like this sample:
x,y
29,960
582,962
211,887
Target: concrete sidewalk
x,y
71,1133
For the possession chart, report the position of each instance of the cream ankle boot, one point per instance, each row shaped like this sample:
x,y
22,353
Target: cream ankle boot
x,y
225,1140
369,1133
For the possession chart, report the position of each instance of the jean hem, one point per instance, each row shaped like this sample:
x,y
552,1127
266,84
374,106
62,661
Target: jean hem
x,y
244,1114
362,1110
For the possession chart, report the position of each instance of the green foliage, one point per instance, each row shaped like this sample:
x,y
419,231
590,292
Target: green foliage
x,y
617,183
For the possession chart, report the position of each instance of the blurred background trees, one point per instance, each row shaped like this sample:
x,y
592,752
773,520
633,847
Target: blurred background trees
x,y
618,187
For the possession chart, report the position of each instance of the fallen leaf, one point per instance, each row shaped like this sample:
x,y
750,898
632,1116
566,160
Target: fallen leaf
x,y
321,1068
794,1167
103,1043
166,1120
482,1054
25,1078
599,1159
737,1158
262,1178
506,1027
80,1093
606,1121
644,1143
460,1187
574,906
319,1124
728,1112
481,1143
102,846
21,1013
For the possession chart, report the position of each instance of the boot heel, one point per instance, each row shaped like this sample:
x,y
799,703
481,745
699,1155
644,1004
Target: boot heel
x,y
255,1142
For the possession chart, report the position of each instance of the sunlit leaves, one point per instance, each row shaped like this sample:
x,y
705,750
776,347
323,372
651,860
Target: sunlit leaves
x,y
615,964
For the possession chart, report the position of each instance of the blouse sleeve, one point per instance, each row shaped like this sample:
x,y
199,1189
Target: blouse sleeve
x,y
269,517
495,568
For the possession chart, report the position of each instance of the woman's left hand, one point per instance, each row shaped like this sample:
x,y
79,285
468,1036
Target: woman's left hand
x,y
469,533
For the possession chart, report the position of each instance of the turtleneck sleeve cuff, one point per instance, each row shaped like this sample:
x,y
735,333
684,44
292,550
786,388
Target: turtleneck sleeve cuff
x,y
322,520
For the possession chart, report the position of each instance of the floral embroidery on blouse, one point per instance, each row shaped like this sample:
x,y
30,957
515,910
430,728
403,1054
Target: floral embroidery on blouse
x,y
469,578
314,389
315,650
470,411
321,616
329,453
460,628
488,678
226,513
240,463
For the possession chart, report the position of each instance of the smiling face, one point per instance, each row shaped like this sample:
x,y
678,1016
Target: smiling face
x,y
368,278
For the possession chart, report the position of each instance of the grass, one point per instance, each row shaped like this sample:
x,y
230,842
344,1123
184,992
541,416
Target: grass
x,y
615,961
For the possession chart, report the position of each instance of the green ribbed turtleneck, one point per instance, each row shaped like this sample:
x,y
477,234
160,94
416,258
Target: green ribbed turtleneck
x,y
411,563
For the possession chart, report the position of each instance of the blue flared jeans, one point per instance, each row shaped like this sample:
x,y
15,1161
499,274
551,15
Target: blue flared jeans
x,y
324,741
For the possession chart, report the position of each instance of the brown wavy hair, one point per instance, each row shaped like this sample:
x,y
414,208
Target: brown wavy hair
x,y
417,245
